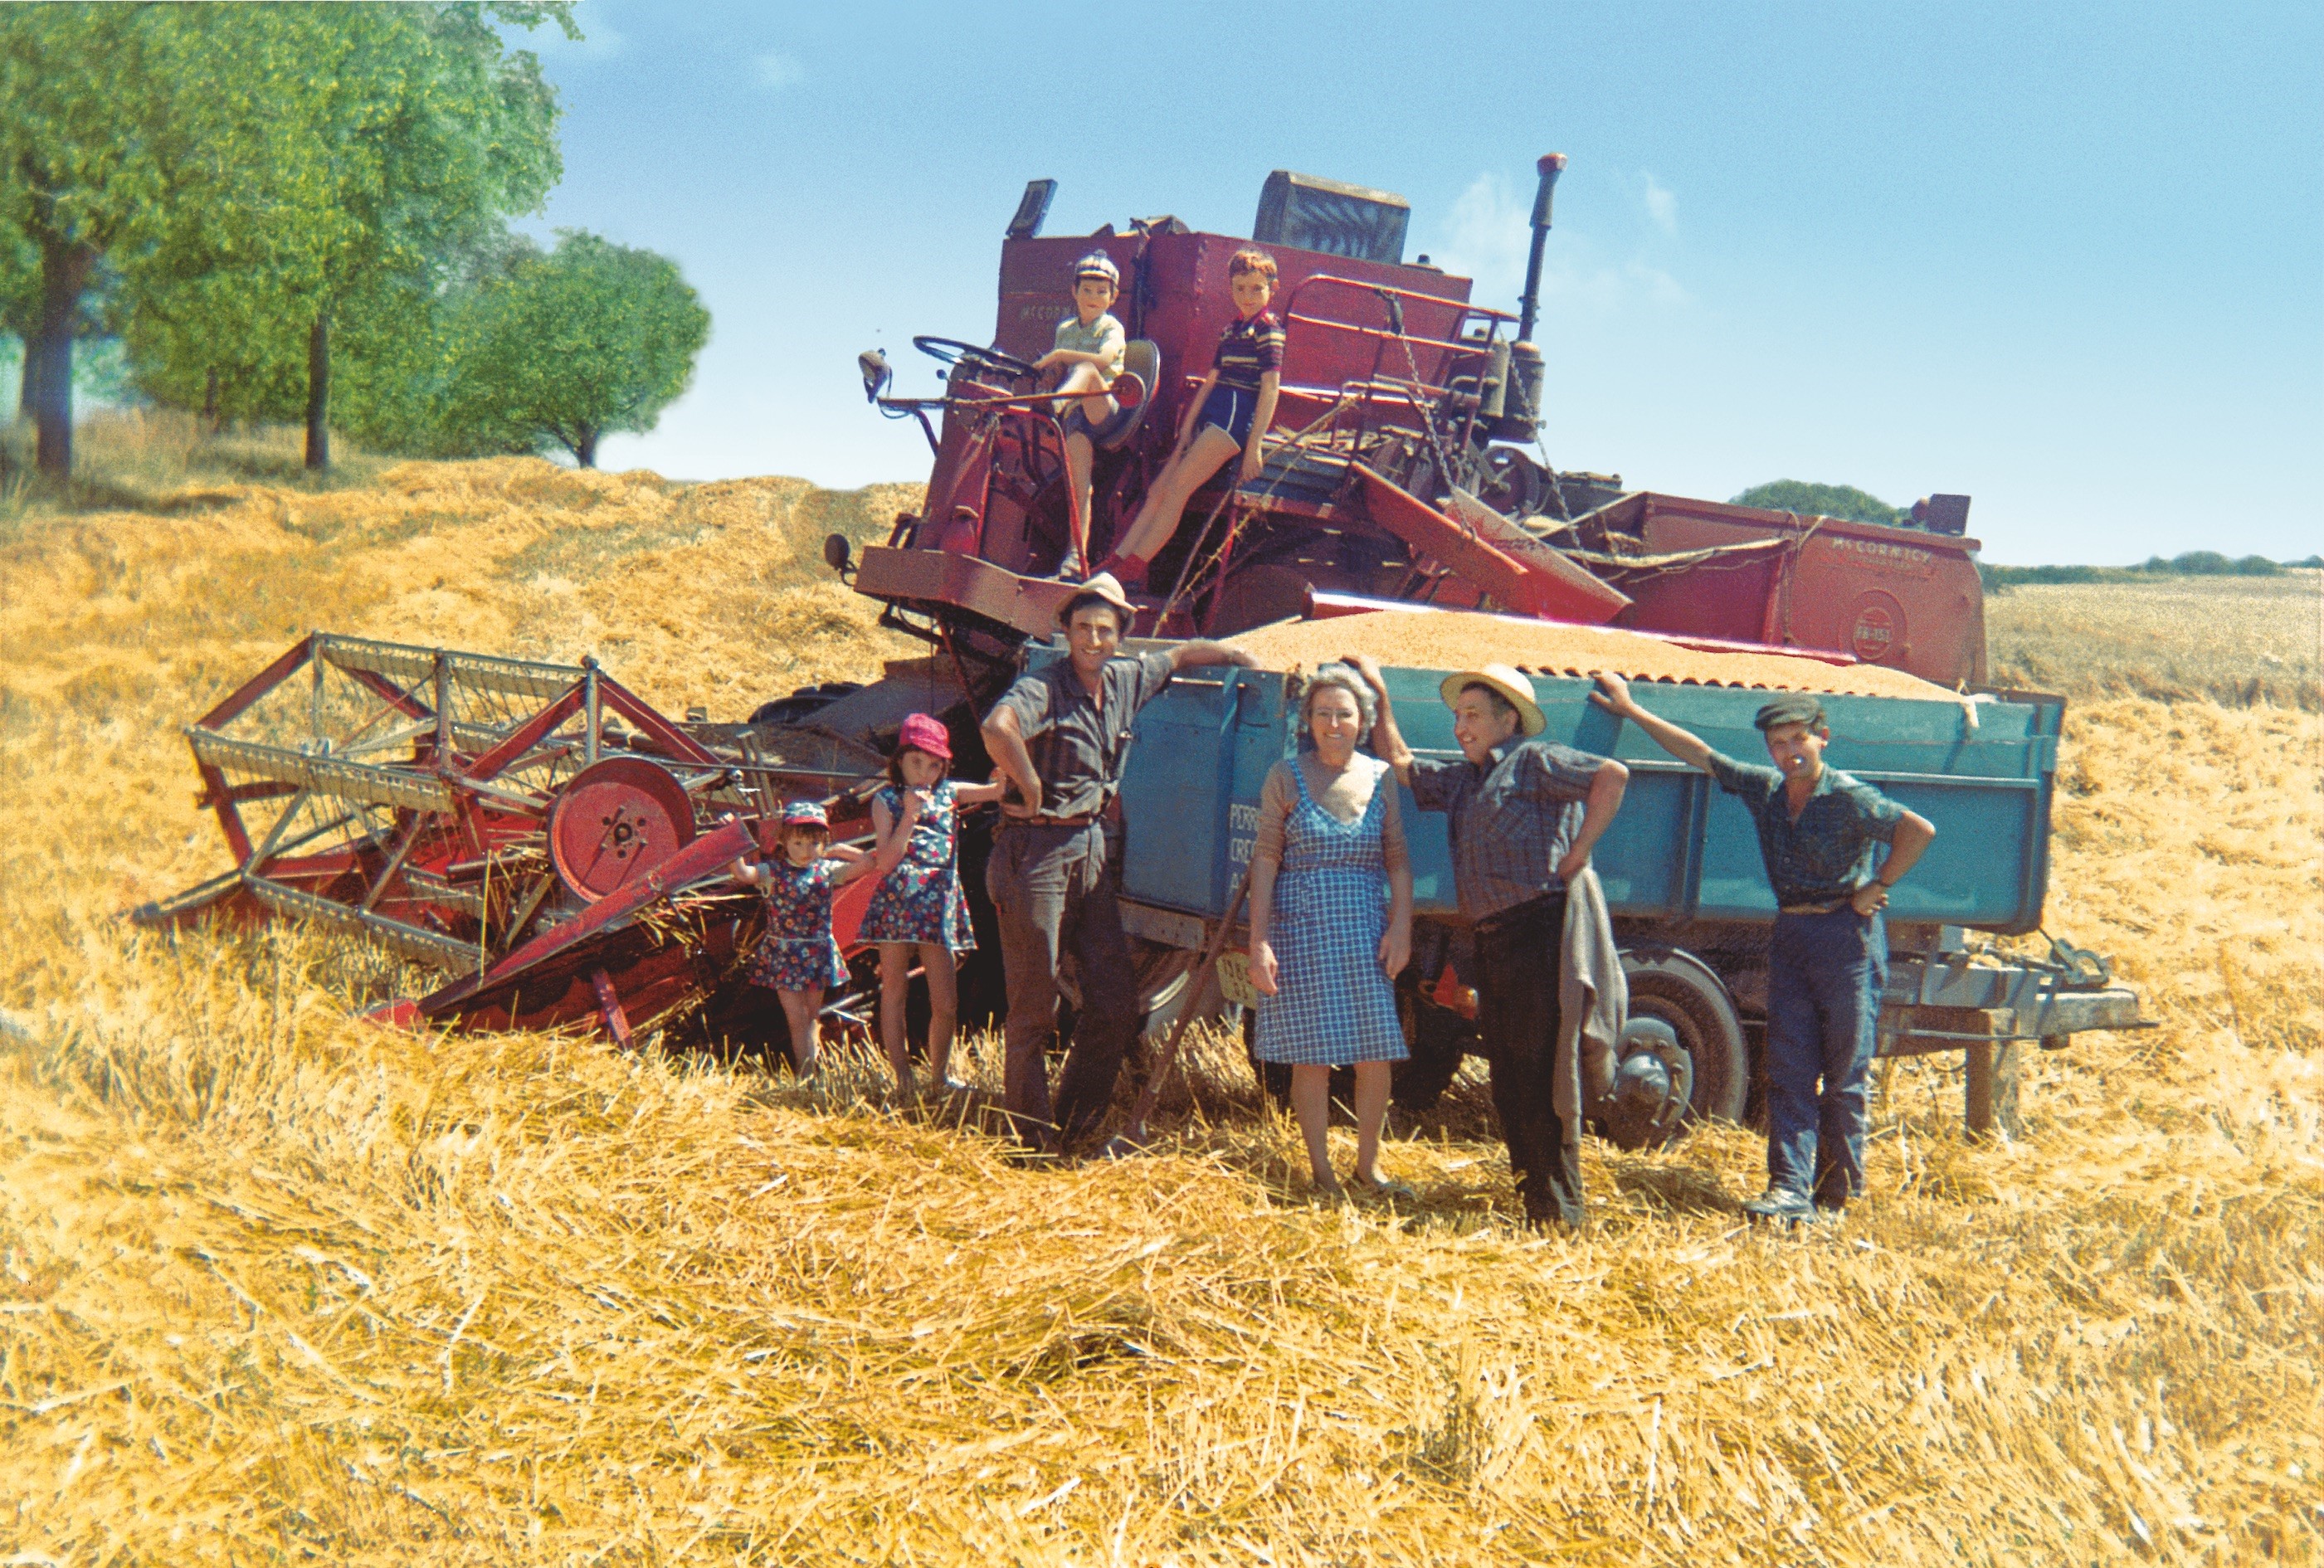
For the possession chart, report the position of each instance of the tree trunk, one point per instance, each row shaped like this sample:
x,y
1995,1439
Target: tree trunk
x,y
585,454
209,403
64,274
28,383
318,392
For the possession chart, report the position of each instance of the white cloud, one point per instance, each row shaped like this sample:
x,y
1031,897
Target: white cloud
x,y
1489,232
1662,206
774,70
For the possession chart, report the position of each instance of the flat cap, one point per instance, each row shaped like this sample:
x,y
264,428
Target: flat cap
x,y
1790,707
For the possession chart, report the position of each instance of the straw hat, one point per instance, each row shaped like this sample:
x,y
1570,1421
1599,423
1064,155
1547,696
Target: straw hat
x,y
1105,586
1504,679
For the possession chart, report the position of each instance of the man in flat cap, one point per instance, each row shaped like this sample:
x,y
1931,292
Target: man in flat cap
x,y
1828,957
1523,815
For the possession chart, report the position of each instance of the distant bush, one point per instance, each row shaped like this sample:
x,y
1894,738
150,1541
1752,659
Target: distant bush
x,y
1821,501
2191,563
2211,564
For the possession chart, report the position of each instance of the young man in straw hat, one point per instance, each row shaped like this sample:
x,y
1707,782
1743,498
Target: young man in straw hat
x,y
1059,737
1523,815
1827,957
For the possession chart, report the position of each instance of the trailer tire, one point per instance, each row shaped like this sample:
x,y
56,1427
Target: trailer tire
x,y
1678,990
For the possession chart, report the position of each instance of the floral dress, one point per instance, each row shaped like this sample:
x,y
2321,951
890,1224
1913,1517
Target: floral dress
x,y
1333,1004
799,952
922,901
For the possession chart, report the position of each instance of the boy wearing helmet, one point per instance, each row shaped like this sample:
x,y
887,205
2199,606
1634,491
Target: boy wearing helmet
x,y
1087,359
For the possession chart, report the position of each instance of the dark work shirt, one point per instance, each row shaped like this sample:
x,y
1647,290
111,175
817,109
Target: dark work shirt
x,y
1511,821
1248,350
1077,742
1826,855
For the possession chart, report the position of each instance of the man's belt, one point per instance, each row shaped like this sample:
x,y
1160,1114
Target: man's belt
x,y
1083,820
1537,904
1815,909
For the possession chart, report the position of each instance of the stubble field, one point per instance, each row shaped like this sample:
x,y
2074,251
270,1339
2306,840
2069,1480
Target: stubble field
x,y
279,1287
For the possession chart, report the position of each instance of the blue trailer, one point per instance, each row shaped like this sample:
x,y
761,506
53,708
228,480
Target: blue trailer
x,y
1682,876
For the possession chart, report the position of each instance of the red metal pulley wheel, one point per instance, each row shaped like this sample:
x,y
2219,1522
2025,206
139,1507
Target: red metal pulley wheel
x,y
617,820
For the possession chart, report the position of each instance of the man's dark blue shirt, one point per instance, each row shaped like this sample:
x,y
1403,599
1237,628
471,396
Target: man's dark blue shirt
x,y
1826,854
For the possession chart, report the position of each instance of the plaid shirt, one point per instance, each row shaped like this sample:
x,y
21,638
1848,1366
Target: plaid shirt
x,y
1826,852
1511,821
1248,350
1078,743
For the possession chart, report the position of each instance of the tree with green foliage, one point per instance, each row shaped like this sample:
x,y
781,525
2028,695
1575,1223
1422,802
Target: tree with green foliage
x,y
255,172
413,133
88,141
566,348
1821,501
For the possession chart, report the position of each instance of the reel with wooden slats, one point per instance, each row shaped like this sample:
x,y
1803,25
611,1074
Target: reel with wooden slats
x,y
417,796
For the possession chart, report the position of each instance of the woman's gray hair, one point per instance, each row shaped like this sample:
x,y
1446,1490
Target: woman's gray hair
x,y
1341,678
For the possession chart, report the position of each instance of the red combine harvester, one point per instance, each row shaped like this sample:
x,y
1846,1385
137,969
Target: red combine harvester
x,y
1405,466
558,850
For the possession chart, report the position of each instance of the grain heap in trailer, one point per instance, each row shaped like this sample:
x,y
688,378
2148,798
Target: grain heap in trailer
x,y
557,848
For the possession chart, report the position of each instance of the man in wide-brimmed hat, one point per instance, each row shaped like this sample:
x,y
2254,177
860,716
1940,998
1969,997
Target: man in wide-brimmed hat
x,y
1059,736
1523,815
1828,954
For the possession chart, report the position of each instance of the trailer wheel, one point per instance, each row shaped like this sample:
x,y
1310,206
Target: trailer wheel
x,y
1680,1013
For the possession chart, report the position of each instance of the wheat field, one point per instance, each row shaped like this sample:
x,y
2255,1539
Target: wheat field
x,y
280,1287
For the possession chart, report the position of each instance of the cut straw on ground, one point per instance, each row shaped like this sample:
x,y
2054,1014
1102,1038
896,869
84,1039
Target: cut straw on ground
x,y
277,1286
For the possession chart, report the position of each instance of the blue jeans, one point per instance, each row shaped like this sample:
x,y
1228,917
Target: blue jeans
x,y
1825,973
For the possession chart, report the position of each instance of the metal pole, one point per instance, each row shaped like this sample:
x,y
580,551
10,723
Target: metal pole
x,y
590,709
1135,1135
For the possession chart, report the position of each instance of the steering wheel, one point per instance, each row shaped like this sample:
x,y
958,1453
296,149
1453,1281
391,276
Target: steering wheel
x,y
953,351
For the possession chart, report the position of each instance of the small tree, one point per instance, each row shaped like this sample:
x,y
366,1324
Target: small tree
x,y
566,348
1820,501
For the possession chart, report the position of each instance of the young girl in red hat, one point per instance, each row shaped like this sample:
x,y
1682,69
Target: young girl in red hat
x,y
798,958
919,909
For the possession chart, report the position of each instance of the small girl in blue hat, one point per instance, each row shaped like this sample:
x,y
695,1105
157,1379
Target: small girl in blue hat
x,y
798,959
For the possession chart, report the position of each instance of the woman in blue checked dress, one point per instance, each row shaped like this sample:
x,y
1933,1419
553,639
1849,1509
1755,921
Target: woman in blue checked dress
x,y
1330,923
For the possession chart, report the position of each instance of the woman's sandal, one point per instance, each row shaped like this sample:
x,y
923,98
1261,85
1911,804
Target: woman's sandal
x,y
1387,1189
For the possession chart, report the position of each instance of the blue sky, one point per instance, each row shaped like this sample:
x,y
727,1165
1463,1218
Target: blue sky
x,y
2067,259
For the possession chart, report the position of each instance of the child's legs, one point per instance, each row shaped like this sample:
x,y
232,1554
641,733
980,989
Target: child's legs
x,y
895,997
1078,458
1166,503
1371,1112
944,1006
800,1010
1097,403
1311,1101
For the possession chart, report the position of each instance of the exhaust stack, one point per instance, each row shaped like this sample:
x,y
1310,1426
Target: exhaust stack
x,y
1551,165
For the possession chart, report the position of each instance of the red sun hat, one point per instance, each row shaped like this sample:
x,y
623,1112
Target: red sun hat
x,y
804,814
925,733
